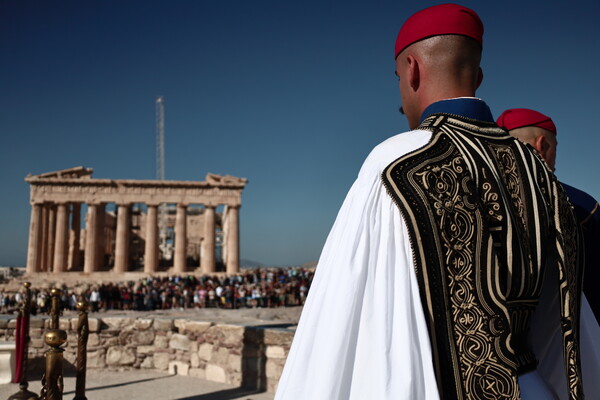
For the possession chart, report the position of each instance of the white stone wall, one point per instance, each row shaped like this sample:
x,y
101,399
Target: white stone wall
x,y
238,355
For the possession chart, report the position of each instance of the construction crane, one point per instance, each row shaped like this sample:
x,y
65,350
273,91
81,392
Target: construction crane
x,y
160,138
165,235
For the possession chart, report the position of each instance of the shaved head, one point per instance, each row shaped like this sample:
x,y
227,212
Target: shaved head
x,y
541,139
437,68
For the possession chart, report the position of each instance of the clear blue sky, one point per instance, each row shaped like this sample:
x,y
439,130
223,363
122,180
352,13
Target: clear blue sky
x,y
292,96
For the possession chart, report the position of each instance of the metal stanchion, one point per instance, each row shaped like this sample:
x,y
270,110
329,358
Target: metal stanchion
x,y
83,331
23,393
52,382
55,311
53,379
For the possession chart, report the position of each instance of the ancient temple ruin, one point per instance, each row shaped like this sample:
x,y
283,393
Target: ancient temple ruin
x,y
133,225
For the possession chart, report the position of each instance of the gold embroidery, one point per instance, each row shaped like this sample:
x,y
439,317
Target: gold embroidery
x,y
471,190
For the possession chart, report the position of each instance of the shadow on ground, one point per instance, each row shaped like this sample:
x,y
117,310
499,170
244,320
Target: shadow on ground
x,y
116,385
227,394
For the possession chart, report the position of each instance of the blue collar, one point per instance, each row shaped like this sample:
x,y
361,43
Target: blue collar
x,y
469,107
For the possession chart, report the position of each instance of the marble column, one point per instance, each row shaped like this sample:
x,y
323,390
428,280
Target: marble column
x,y
43,239
51,237
179,263
91,239
233,240
100,227
151,248
74,238
61,238
122,240
208,244
35,235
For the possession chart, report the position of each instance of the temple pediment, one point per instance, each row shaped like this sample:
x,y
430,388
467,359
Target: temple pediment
x,y
69,173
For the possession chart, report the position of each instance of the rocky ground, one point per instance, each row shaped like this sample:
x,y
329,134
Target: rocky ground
x,y
140,384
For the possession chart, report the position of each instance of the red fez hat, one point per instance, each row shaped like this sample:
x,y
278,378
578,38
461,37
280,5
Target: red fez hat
x,y
444,19
520,117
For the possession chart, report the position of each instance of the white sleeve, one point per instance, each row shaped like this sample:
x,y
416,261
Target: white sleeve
x,y
362,333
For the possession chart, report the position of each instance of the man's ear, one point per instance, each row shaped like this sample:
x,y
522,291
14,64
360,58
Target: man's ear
x,y
541,145
479,78
414,73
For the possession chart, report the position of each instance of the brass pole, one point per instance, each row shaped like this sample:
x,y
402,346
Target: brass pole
x,y
55,310
83,331
23,393
52,382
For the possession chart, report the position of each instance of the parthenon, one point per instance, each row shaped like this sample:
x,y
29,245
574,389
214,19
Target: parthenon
x,y
181,225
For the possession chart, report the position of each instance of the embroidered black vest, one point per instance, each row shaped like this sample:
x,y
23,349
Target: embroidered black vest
x,y
485,217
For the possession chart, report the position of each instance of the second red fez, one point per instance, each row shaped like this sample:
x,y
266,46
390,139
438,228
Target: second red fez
x,y
444,19
521,117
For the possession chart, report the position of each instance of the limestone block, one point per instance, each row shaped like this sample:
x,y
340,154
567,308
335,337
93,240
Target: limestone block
x,y
141,324
93,340
147,363
73,322
161,360
272,385
197,373
180,324
36,343
163,324
196,326
136,338
96,359
12,324
145,350
179,342
278,337
194,347
230,335
234,363
183,356
273,369
36,323
144,337
161,342
94,324
205,351
194,360
118,355
64,324
7,362
219,356
215,373
179,368
111,341
72,339
70,356
117,323
36,332
275,352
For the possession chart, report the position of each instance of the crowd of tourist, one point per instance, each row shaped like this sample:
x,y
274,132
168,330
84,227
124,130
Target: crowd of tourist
x,y
251,288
